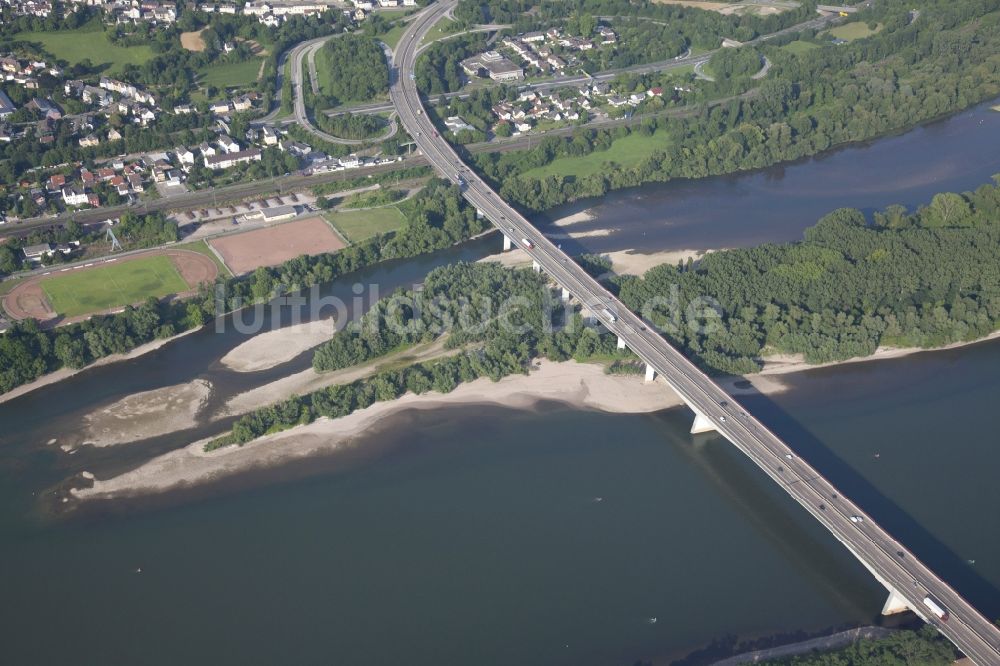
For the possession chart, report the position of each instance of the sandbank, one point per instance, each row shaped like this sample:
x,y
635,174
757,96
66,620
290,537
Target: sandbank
x,y
147,414
633,262
575,218
267,350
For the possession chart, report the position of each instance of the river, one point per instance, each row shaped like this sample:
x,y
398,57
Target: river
x,y
494,536
776,204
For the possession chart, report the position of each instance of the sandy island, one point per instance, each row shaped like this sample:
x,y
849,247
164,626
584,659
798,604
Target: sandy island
x,y
575,218
147,414
267,350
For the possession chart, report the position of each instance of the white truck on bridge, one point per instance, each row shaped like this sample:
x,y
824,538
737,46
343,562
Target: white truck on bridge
x,y
936,607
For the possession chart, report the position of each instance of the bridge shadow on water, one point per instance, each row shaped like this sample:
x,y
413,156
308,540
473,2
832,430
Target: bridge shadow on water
x,y
893,518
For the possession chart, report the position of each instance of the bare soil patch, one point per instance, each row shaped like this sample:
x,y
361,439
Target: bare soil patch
x,y
192,41
245,252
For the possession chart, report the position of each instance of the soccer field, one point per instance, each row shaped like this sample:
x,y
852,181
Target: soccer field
x,y
85,291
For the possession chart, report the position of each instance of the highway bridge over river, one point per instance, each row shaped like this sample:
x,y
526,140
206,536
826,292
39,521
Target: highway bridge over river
x,y
910,583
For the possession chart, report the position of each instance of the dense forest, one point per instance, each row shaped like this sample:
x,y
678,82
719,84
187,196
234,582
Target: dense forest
x,y
921,279
436,218
910,71
354,68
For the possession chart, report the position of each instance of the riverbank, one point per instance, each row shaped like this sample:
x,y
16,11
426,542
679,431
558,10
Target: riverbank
x,y
66,373
783,364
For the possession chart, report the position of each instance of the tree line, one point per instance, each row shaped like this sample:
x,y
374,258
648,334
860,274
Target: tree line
x,y
436,218
925,647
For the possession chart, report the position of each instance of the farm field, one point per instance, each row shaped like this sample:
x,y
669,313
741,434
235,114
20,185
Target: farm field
x,y
231,75
88,43
112,286
626,153
359,225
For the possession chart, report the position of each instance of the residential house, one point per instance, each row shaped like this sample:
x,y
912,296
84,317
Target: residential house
x,y
74,196
227,160
47,108
135,182
270,136
56,182
185,155
6,105
227,144
221,108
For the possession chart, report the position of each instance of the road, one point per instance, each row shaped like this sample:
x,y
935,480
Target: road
x,y
888,560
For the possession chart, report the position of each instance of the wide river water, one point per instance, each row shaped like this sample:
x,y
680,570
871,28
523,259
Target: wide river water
x,y
495,536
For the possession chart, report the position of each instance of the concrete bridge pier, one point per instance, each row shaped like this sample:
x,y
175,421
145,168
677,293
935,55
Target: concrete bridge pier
x,y
621,343
508,244
701,424
894,604
650,373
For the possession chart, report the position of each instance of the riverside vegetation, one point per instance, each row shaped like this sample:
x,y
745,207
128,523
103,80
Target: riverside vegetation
x,y
436,218
921,279
924,646
911,71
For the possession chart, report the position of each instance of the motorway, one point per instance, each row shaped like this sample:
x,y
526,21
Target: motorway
x,y
888,560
